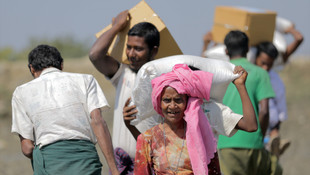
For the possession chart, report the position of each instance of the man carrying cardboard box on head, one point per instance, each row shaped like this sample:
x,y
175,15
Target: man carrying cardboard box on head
x,y
141,47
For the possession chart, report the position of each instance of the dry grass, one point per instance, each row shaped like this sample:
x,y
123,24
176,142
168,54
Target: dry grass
x,y
295,77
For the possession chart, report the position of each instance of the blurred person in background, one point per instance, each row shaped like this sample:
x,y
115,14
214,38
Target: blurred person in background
x,y
244,153
266,54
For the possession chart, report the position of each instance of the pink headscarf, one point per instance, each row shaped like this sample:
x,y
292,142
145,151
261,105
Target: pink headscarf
x,y
201,143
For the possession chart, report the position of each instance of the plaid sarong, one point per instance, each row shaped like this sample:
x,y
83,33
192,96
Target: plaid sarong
x,y
67,157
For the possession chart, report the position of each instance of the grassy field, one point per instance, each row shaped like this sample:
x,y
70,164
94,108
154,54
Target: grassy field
x,y
296,128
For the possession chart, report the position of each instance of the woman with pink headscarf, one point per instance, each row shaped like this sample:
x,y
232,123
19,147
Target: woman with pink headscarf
x,y
184,142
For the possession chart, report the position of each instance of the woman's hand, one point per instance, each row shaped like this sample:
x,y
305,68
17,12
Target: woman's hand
x,y
248,121
240,80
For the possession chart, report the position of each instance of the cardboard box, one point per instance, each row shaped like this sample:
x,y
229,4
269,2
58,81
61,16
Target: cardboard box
x,y
259,25
142,12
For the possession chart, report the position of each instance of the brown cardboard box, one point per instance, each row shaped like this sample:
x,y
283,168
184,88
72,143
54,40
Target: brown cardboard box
x,y
259,25
140,13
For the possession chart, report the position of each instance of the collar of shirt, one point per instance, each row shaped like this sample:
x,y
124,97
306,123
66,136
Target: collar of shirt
x,y
239,59
49,70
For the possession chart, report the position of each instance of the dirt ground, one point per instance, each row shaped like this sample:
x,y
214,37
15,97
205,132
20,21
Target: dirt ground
x,y
295,76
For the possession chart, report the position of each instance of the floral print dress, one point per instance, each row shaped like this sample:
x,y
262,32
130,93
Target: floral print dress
x,y
156,155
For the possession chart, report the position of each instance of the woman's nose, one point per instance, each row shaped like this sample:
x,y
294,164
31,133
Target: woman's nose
x,y
172,105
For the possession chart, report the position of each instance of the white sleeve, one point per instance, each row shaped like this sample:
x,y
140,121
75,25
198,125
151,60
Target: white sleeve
x,y
115,79
280,98
222,119
281,103
95,96
21,123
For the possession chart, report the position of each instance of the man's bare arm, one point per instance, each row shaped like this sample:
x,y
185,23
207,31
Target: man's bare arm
x,y
104,63
103,136
291,48
207,39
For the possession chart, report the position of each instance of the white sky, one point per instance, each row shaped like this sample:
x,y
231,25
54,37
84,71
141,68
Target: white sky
x,y
186,20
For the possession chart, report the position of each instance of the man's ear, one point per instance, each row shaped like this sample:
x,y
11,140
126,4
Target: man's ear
x,y
32,70
226,51
154,52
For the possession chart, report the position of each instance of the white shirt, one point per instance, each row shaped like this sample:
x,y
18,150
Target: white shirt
x,y
123,81
56,106
277,105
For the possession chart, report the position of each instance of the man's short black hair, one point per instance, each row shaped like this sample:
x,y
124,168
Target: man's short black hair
x,y
148,31
44,56
268,48
237,43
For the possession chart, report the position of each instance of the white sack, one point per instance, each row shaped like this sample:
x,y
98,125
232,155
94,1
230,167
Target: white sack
x,y
216,52
280,43
141,94
283,24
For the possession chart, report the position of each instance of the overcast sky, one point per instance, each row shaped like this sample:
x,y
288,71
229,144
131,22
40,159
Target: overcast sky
x,y
186,20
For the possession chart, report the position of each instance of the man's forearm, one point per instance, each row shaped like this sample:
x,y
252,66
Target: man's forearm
x,y
291,48
104,63
102,44
102,133
264,123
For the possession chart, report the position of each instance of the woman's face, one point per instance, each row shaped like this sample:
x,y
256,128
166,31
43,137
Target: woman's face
x,y
173,105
